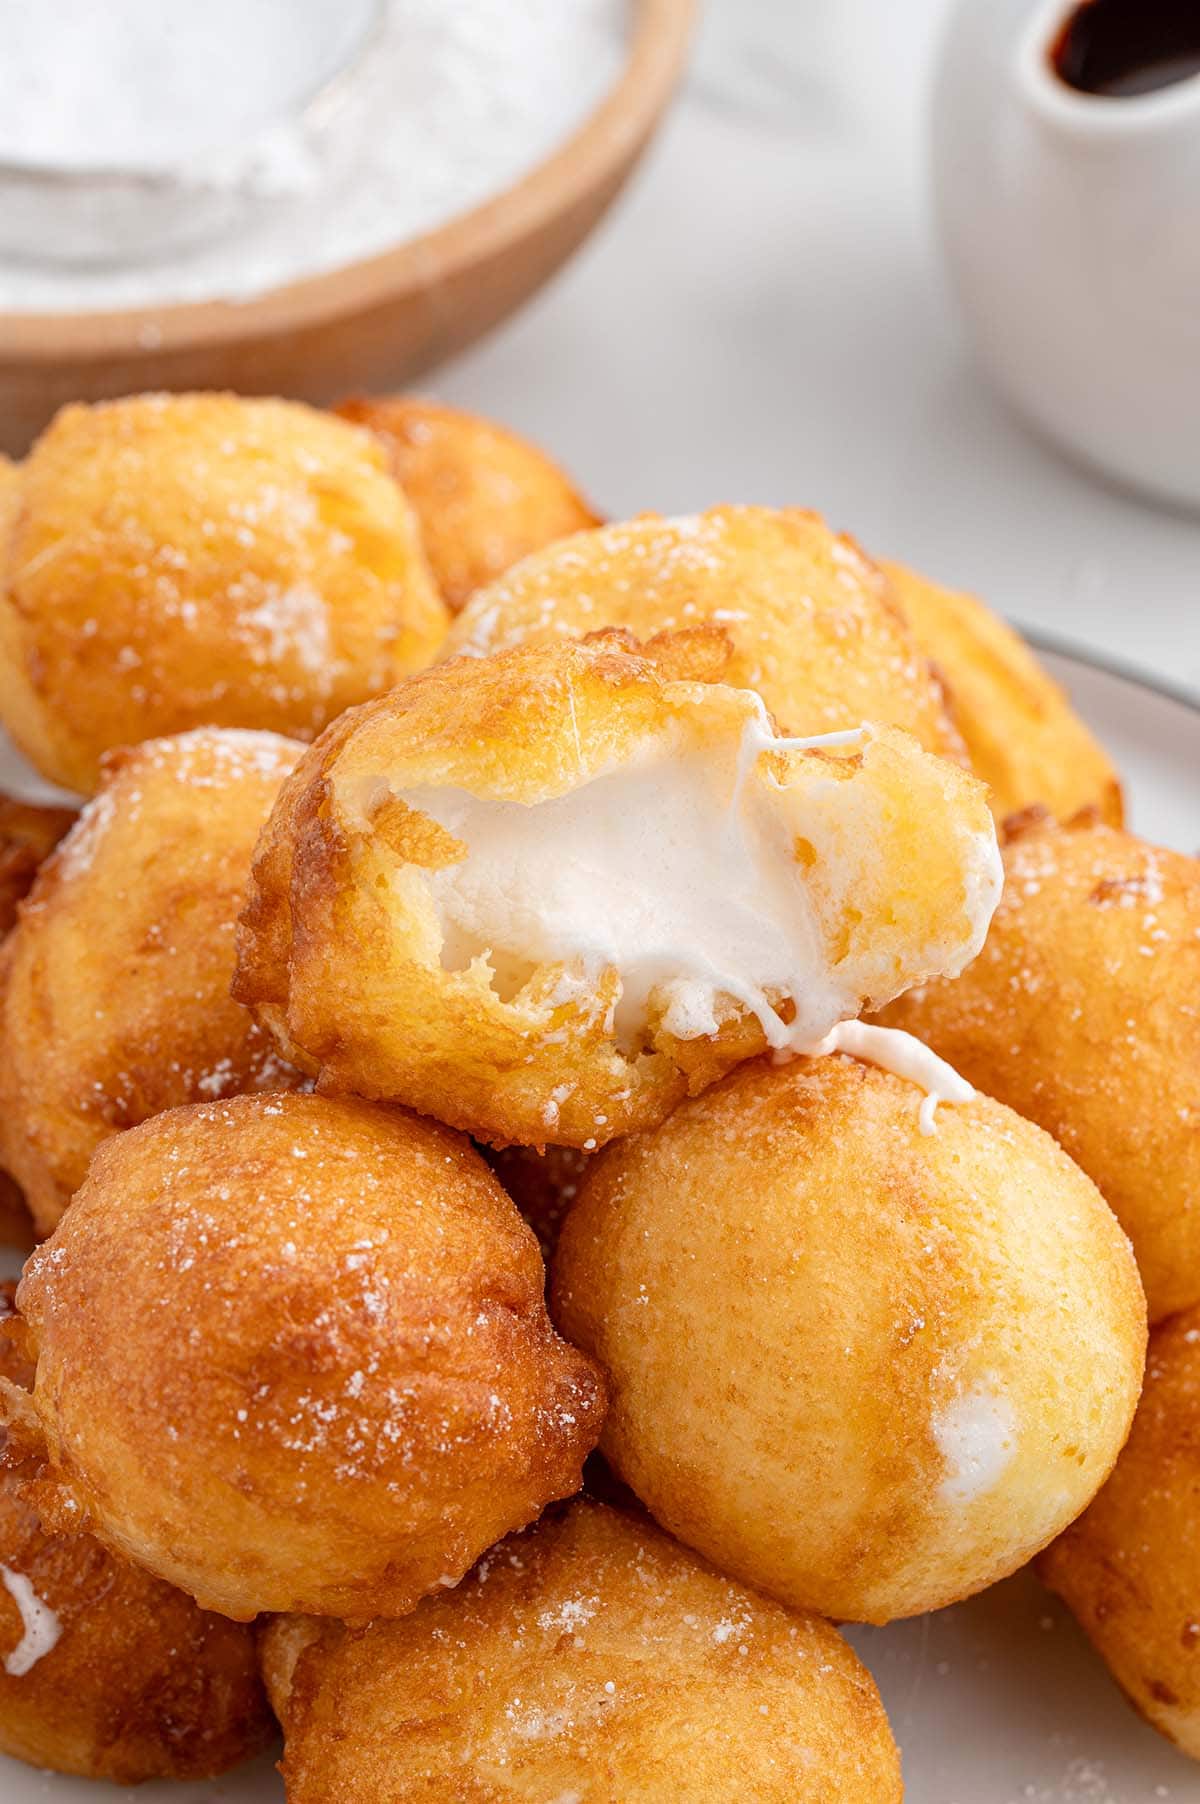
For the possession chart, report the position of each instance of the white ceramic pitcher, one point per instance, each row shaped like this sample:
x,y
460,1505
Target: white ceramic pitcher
x,y
1071,222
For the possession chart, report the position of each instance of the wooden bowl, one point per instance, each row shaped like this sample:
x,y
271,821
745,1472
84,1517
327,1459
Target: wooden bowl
x,y
374,323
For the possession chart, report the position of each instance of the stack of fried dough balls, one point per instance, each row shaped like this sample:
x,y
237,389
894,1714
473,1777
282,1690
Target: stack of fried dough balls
x,y
108,1672
580,1660
177,561
28,834
826,636
484,497
370,1393
171,561
114,984
607,837
810,621
924,1357
1130,1566
1022,735
1081,1013
561,980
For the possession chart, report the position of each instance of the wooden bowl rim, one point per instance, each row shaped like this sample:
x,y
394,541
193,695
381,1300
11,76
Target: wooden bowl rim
x,y
658,37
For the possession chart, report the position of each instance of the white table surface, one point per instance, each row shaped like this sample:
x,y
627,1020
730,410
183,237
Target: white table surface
x,y
764,318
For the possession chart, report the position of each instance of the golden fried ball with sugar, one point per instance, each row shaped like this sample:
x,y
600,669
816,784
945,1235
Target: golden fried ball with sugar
x,y
114,986
293,1354
484,497
865,1369
28,835
190,560
589,1658
543,896
105,1671
1023,736
1082,1013
1130,1567
811,621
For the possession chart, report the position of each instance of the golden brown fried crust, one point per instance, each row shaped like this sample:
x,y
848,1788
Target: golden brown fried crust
x,y
797,1295
336,950
1130,1567
114,986
591,1655
172,561
1024,738
1081,1014
483,496
814,627
293,1353
28,834
140,1684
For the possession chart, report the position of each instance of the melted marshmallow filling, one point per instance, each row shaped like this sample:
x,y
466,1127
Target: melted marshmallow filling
x,y
976,1436
40,1625
679,872
904,1056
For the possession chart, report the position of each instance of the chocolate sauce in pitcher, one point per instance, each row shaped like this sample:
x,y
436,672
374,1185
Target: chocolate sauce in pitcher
x,y
1121,48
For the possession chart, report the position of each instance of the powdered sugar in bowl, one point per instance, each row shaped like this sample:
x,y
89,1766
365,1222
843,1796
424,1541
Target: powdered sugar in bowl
x,y
485,139
131,132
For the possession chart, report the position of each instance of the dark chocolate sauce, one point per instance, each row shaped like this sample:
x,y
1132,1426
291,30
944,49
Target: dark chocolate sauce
x,y
1126,47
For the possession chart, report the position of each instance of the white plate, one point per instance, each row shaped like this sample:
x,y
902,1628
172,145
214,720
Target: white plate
x,y
998,1701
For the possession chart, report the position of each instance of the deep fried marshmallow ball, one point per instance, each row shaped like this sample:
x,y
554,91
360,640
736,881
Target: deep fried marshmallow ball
x,y
1023,736
114,986
590,1658
1081,1013
1130,1567
28,835
293,1354
186,560
543,896
813,625
104,1670
484,497
866,1369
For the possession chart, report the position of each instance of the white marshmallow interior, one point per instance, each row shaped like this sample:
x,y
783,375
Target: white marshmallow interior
x,y
679,871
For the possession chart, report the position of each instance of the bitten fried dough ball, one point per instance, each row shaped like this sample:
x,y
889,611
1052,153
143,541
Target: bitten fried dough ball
x,y
866,1369
590,1658
293,1354
114,986
484,497
811,621
28,835
1130,1567
1082,1013
1023,736
105,1671
186,560
544,896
